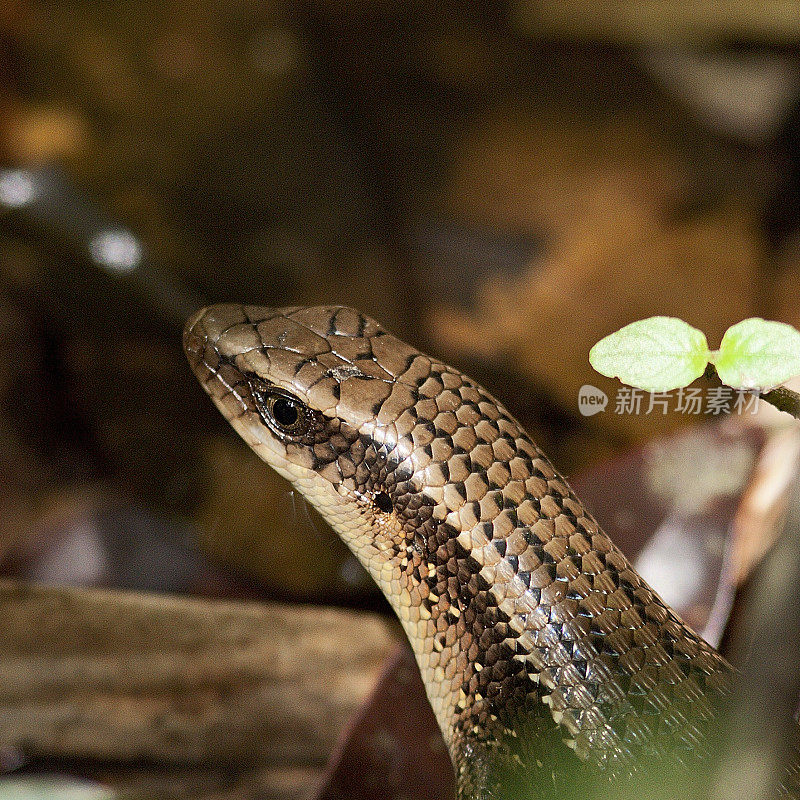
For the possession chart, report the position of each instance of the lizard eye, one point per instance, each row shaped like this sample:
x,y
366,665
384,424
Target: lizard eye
x,y
284,414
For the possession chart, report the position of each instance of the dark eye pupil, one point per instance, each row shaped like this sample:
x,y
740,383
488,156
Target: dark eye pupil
x,y
285,412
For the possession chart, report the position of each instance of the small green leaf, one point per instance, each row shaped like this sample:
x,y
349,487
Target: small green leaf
x,y
758,354
655,354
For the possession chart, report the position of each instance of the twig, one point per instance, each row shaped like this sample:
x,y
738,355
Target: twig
x,y
783,398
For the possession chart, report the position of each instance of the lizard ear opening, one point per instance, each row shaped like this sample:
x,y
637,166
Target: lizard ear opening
x,y
383,502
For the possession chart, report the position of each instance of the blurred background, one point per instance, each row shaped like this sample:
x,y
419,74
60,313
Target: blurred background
x,y
501,184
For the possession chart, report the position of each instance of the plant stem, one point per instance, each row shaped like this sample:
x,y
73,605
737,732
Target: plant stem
x,y
782,398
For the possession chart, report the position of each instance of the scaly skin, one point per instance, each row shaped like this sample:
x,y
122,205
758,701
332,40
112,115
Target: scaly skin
x,y
532,631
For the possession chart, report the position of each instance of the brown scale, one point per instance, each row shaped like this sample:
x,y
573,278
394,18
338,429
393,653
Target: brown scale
x,y
530,627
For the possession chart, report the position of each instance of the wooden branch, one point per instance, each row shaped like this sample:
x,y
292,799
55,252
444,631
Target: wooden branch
x,y
120,676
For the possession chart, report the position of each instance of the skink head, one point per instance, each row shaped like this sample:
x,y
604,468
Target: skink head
x,y
307,388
